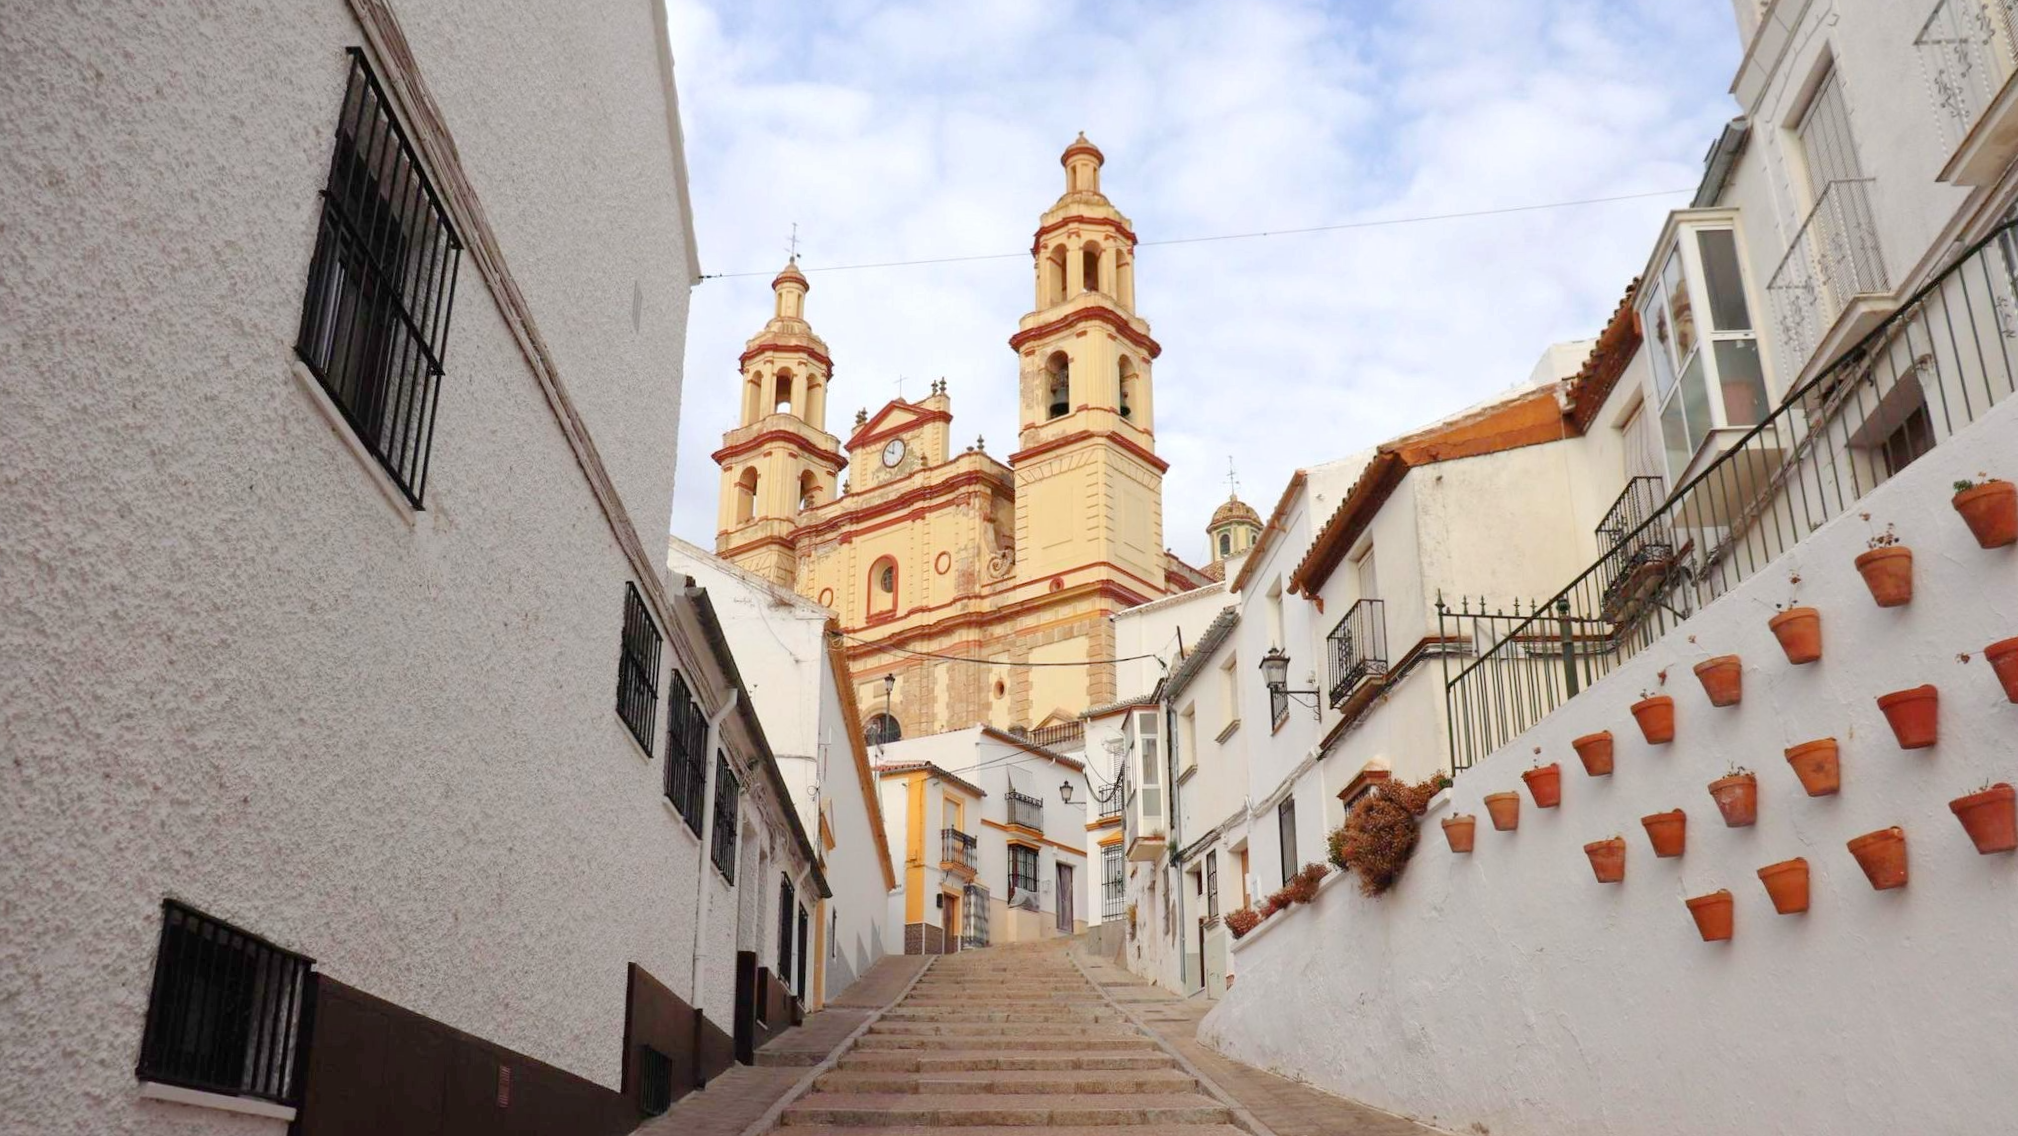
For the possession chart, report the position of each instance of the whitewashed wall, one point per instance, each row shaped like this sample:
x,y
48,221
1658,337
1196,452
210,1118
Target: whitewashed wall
x,y
1508,990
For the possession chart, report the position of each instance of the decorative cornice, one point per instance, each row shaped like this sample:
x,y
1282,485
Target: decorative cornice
x,y
1037,242
1095,313
1147,456
799,441
870,433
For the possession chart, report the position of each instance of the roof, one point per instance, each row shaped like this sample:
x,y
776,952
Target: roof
x,y
837,662
1215,633
1032,747
1081,146
897,767
1615,347
790,272
780,595
1106,708
1234,510
1275,526
1529,416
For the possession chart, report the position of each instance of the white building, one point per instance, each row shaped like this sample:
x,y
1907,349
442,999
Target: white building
x,y
787,651
362,770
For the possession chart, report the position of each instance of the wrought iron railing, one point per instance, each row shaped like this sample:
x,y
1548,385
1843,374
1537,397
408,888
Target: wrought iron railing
x,y
1113,885
974,917
1833,257
957,848
1935,365
1110,805
227,1011
1637,554
1966,52
1358,648
1061,735
1025,810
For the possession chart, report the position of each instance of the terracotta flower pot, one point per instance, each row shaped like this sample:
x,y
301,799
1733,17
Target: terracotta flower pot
x,y
1667,832
1787,883
1656,717
1595,750
1737,798
1713,915
1882,855
1888,572
1992,512
1816,764
1505,809
1914,715
1989,818
1723,679
1546,783
1458,830
2003,656
1608,859
1799,630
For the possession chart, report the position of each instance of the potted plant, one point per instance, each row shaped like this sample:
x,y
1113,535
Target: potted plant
x,y
1302,887
1381,831
1990,506
1595,750
1816,764
1667,832
1608,859
1914,715
1505,809
1723,679
1882,855
1989,817
1887,568
2003,656
1545,782
1713,915
1458,831
1787,883
1656,715
1799,629
1737,797
1241,921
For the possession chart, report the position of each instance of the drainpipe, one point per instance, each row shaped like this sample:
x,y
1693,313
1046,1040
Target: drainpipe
x,y
713,744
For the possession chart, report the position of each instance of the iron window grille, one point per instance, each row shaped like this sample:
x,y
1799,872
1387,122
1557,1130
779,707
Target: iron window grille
x,y
1113,885
374,317
227,1010
974,917
1022,872
1285,829
686,752
799,975
786,900
655,1081
728,795
1212,885
638,669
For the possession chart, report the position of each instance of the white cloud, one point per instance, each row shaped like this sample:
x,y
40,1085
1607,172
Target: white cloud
x,y
898,131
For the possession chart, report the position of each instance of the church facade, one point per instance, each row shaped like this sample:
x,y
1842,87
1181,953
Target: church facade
x,y
933,556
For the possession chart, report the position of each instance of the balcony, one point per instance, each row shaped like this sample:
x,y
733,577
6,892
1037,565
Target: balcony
x,y
1637,555
1025,810
1358,650
1968,55
956,851
1063,736
1822,292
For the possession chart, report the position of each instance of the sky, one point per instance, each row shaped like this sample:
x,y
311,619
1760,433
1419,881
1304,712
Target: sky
x,y
907,131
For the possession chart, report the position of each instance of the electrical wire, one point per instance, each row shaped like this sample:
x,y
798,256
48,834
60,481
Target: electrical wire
x,y
1341,226
990,662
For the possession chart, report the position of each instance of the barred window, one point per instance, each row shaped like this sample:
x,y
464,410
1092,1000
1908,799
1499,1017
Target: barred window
x,y
655,1091
1211,884
226,1010
1022,872
638,669
686,752
374,317
800,977
728,794
786,900
1285,831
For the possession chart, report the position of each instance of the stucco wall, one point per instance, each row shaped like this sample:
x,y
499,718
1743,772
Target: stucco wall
x,y
233,673
1508,990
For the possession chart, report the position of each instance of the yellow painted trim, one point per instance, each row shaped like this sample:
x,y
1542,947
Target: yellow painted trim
x,y
1019,834
1105,822
914,848
819,954
1113,841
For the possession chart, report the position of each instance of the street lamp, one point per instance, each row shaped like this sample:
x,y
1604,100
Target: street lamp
x,y
1065,791
1275,675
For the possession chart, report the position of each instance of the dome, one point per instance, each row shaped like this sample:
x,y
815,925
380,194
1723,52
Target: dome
x,y
1081,146
789,272
1235,510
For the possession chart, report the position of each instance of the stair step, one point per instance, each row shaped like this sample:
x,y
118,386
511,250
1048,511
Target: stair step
x,y
1032,1044
1005,1130
1094,1082
1003,1029
977,1060
858,1110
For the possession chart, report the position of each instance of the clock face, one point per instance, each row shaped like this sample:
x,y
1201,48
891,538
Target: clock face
x,y
894,452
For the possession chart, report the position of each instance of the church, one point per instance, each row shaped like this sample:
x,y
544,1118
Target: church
x,y
969,591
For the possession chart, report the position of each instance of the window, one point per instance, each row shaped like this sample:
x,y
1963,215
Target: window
x,y
799,976
655,1081
1054,276
1187,737
374,317
1229,691
1285,830
638,669
1127,387
781,393
728,795
1057,385
1225,545
786,903
1113,885
1022,871
1148,743
1089,267
883,587
1212,884
225,1012
882,728
686,752
1275,613
1701,390
746,495
1369,584
1914,436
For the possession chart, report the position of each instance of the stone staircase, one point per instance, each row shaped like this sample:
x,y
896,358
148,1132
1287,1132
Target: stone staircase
x,y
1009,1038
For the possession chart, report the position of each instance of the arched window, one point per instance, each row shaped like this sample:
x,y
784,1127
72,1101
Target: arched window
x,y
1089,267
1225,544
1127,387
753,398
781,396
1054,273
746,495
883,587
809,489
1057,385
881,728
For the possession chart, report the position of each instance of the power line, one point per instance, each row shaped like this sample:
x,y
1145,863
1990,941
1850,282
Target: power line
x,y
988,662
1341,226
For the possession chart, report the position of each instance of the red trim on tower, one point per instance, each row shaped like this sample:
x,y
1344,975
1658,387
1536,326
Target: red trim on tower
x,y
819,357
754,441
1103,315
1037,242
1042,448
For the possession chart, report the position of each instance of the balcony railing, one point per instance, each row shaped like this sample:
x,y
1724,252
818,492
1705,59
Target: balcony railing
x,y
1966,51
1833,257
1637,554
956,849
974,917
1358,648
1062,736
1112,804
1025,810
1939,362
